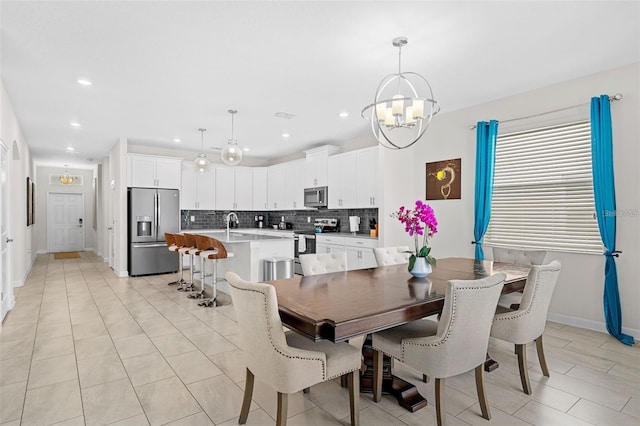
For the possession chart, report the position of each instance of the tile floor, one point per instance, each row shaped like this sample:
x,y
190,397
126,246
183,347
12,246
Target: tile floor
x,y
82,347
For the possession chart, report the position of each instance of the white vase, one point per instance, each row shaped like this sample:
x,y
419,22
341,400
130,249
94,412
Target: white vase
x,y
421,268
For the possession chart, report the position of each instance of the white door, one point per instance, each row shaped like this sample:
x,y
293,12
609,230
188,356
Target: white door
x,y
65,222
5,298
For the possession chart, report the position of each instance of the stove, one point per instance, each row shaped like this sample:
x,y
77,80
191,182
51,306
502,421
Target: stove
x,y
305,239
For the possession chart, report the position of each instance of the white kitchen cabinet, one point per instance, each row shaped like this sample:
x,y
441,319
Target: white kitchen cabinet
x,y
150,171
295,174
234,188
367,177
276,181
243,188
197,188
317,165
259,188
342,181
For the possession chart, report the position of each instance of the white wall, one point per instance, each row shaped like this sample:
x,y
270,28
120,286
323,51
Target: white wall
x,y
21,254
578,296
43,188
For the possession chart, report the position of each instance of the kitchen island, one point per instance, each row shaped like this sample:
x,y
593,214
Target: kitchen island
x,y
249,248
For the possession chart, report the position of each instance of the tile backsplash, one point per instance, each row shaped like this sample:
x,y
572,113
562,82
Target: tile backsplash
x,y
299,219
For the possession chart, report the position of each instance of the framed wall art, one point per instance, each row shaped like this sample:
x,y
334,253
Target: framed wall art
x,y
443,180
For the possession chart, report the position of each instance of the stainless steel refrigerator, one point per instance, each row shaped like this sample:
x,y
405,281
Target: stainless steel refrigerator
x,y
152,212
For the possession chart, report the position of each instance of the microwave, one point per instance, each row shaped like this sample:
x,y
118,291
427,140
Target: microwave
x,y
315,197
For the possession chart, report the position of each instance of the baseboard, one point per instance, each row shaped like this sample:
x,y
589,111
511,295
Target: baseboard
x,y
589,325
8,304
43,251
121,274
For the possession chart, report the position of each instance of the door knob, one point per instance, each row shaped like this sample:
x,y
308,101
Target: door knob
x,y
9,240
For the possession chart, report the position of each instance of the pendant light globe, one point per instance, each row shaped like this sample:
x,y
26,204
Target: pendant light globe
x,y
231,154
202,162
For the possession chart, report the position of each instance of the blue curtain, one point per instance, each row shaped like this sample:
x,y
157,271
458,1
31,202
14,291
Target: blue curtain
x,y
605,198
486,136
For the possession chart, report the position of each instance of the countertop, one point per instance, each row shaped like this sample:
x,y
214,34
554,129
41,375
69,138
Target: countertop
x,y
285,233
235,236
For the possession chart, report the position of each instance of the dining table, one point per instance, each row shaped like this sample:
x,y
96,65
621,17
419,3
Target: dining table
x,y
344,305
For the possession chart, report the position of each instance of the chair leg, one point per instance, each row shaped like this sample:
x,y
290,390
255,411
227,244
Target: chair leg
x,y
281,417
246,401
482,396
521,351
440,409
354,397
541,358
377,375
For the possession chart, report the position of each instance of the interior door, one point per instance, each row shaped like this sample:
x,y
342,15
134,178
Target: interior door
x,y
65,222
4,233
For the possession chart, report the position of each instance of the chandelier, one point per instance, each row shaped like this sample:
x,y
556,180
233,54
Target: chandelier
x,y
231,154
66,179
201,161
403,106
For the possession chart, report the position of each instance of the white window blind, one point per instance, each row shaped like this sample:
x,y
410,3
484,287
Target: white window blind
x,y
543,190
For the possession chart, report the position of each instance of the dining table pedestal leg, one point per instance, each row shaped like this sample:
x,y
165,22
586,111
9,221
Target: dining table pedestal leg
x,y
407,394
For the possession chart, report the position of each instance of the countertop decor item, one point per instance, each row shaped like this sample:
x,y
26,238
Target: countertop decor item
x,y
202,162
402,108
231,154
419,222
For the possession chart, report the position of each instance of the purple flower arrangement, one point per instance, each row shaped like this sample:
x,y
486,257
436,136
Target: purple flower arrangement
x,y
421,221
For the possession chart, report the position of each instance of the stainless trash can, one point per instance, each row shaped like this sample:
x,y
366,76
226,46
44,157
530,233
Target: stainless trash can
x,y
277,268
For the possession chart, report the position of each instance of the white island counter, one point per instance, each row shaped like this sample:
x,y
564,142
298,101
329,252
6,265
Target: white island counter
x,y
249,248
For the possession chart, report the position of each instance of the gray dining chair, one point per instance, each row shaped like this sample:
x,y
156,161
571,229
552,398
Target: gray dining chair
x,y
391,255
518,257
526,324
287,362
455,344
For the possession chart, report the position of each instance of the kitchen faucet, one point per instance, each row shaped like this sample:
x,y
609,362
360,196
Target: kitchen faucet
x,y
229,220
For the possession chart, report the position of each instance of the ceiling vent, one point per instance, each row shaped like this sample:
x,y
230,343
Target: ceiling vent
x,y
286,115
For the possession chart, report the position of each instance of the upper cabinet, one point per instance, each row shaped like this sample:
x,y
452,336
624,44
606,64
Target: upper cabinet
x,y
353,179
367,180
260,188
295,173
317,165
197,188
276,192
234,188
150,171
342,178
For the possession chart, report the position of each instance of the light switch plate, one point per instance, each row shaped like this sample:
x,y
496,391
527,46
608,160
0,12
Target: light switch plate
x,y
193,218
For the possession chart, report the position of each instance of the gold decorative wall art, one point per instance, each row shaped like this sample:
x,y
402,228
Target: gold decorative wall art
x,y
443,180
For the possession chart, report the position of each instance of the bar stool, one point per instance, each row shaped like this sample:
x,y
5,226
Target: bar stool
x,y
172,245
181,248
214,251
187,248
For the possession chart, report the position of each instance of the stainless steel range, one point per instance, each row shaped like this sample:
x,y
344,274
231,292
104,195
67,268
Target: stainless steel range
x,y
305,239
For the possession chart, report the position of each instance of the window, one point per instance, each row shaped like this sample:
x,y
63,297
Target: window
x,y
543,190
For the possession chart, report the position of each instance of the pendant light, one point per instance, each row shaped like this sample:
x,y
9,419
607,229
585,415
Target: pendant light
x,y
202,162
231,154
403,106
66,179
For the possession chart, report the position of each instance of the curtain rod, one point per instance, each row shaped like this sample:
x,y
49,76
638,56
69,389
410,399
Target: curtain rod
x,y
615,97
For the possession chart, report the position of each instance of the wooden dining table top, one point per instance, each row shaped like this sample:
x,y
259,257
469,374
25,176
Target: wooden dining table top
x,y
342,305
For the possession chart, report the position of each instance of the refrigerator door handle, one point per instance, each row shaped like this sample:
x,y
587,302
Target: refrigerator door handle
x,y
158,219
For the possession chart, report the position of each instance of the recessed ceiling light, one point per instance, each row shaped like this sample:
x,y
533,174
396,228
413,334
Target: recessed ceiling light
x,y
176,140
70,149
344,114
74,124
245,149
84,82
286,115
285,135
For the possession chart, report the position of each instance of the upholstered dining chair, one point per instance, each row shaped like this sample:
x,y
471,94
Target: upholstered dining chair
x,y
391,255
519,257
287,362
457,343
323,263
526,324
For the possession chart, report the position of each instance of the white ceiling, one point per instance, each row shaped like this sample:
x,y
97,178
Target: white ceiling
x,y
161,70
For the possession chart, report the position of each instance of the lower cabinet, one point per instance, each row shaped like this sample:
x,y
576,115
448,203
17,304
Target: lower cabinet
x,y
359,250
